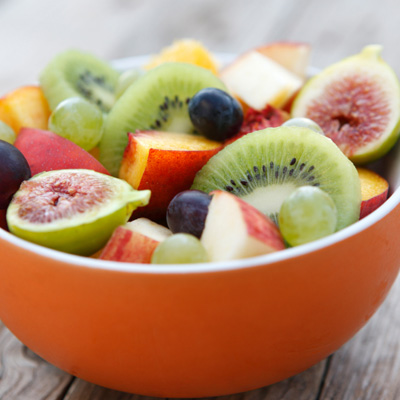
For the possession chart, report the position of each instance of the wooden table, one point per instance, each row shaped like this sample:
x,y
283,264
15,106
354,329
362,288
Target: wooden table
x,y
368,366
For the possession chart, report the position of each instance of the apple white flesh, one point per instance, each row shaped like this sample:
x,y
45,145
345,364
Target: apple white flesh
x,y
135,241
257,81
234,229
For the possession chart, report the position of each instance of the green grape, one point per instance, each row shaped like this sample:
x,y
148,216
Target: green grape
x,y
307,214
79,121
304,123
180,248
126,79
6,133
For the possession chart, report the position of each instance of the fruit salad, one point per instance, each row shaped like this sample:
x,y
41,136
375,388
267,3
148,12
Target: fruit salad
x,y
185,161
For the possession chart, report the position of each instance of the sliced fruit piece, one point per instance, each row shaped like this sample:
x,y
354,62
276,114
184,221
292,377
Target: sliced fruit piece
x,y
74,73
165,163
356,102
293,56
264,167
374,191
135,241
46,151
187,51
75,211
14,169
269,117
25,107
234,229
156,101
257,81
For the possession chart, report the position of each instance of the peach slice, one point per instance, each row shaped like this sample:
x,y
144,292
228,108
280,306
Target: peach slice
x,y
294,56
166,163
135,241
25,107
234,229
374,191
46,151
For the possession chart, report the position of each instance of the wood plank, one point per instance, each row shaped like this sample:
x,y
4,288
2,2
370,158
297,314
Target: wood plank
x,y
368,366
24,375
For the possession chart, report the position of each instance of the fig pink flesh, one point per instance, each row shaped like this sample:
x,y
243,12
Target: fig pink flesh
x,y
60,196
352,111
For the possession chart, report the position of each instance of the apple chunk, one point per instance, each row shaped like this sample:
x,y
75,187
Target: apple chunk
x,y
135,241
374,191
294,56
165,163
234,229
258,81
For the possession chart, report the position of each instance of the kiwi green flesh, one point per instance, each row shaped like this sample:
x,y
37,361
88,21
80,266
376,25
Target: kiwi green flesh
x,y
264,167
77,74
156,101
80,232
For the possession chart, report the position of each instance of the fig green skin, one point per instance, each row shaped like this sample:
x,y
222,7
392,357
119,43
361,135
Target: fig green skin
x,y
83,237
369,57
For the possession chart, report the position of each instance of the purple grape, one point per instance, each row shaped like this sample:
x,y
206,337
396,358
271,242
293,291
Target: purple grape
x,y
14,169
187,212
215,114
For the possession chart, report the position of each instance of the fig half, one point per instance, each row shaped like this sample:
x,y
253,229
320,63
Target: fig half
x,y
72,210
357,104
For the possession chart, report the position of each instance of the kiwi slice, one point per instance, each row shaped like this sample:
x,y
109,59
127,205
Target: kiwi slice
x,y
74,73
156,101
265,166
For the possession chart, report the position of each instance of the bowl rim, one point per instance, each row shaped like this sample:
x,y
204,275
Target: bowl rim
x,y
263,260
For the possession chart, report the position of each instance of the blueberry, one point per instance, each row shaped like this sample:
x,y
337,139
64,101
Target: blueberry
x,y
215,114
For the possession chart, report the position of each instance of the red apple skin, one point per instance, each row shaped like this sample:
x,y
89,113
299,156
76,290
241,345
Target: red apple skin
x,y
367,206
46,151
129,246
260,227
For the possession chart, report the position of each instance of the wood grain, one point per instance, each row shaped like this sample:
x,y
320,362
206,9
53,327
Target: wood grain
x,y
24,375
368,366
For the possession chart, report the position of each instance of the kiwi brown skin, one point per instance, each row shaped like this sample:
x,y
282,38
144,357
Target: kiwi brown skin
x,y
156,101
264,167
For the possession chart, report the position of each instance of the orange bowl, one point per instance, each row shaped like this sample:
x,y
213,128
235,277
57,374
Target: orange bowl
x,y
204,329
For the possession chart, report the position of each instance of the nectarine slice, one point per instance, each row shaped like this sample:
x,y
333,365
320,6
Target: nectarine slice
x,y
374,191
165,163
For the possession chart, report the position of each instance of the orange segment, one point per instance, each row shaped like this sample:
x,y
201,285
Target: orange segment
x,y
25,107
188,51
